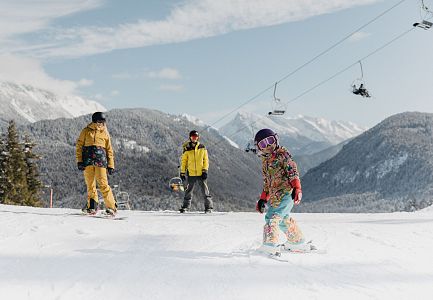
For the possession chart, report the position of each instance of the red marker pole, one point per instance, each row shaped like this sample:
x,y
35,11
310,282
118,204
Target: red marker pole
x,y
51,198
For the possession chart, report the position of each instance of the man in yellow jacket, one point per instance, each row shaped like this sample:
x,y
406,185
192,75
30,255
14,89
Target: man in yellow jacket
x,y
194,167
95,157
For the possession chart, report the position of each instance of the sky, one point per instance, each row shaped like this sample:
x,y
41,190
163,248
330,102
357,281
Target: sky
x,y
208,58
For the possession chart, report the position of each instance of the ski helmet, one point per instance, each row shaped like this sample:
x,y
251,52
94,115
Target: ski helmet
x,y
98,117
264,133
193,132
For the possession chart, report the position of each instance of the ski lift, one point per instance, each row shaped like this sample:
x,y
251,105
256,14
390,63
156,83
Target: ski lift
x,y
358,85
176,184
250,147
424,24
278,109
122,198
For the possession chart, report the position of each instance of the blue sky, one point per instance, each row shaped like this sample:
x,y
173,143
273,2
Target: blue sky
x,y
206,58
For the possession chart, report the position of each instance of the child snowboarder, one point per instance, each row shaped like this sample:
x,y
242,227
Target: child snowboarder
x,y
95,157
281,190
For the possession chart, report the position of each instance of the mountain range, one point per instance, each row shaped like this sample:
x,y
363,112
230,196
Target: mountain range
x,y
301,135
387,168
26,104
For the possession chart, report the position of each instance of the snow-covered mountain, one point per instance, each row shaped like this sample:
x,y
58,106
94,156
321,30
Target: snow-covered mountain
x,y
25,103
302,134
387,168
53,253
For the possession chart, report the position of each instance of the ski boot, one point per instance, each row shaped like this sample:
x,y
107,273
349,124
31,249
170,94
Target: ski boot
x,y
92,209
110,212
183,209
299,247
208,210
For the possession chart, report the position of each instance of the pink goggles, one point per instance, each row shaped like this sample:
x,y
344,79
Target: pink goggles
x,y
269,141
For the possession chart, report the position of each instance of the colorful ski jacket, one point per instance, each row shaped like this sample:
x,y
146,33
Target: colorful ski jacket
x,y
94,147
194,159
279,170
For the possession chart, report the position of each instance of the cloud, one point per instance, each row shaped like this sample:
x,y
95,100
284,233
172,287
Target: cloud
x,y
171,87
357,36
114,93
19,17
190,20
30,71
85,82
164,73
123,75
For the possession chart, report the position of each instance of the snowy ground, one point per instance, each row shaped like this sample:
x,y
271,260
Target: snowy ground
x,y
53,254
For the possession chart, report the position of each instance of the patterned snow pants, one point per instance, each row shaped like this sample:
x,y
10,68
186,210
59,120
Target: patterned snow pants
x,y
277,218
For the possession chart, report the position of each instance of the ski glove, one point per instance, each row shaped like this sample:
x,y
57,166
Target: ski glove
x,y
261,204
204,175
110,171
182,176
81,166
296,191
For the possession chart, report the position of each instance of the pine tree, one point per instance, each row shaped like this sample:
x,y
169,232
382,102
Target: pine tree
x,y
34,185
2,168
15,191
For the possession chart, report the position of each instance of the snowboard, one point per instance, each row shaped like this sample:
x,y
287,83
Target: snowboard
x,y
101,215
282,254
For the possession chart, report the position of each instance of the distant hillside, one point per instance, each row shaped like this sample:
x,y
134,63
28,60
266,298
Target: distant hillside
x,y
307,162
387,168
25,104
301,135
147,147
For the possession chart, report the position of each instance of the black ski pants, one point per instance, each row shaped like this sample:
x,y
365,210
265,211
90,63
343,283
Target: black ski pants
x,y
192,180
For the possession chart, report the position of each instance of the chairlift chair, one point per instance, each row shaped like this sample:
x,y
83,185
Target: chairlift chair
x,y
278,109
425,15
249,148
122,198
176,184
358,85
424,24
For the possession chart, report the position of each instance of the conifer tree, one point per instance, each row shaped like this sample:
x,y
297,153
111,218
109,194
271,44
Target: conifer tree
x,y
2,168
34,185
15,169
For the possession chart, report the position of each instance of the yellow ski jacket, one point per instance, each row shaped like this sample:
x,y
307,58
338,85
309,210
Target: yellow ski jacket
x,y
194,159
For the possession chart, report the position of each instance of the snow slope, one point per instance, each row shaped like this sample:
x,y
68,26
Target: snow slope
x,y
54,254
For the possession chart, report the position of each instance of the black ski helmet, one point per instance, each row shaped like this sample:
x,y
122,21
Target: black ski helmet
x,y
98,116
193,132
264,133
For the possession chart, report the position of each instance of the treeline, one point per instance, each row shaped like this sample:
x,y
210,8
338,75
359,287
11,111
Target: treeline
x,y
19,176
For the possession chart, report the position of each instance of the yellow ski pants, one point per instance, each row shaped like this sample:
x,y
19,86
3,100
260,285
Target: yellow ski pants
x,y
92,175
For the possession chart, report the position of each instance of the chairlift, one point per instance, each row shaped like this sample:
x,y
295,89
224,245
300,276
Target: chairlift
x,y
278,108
176,184
250,147
358,85
424,24
122,198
